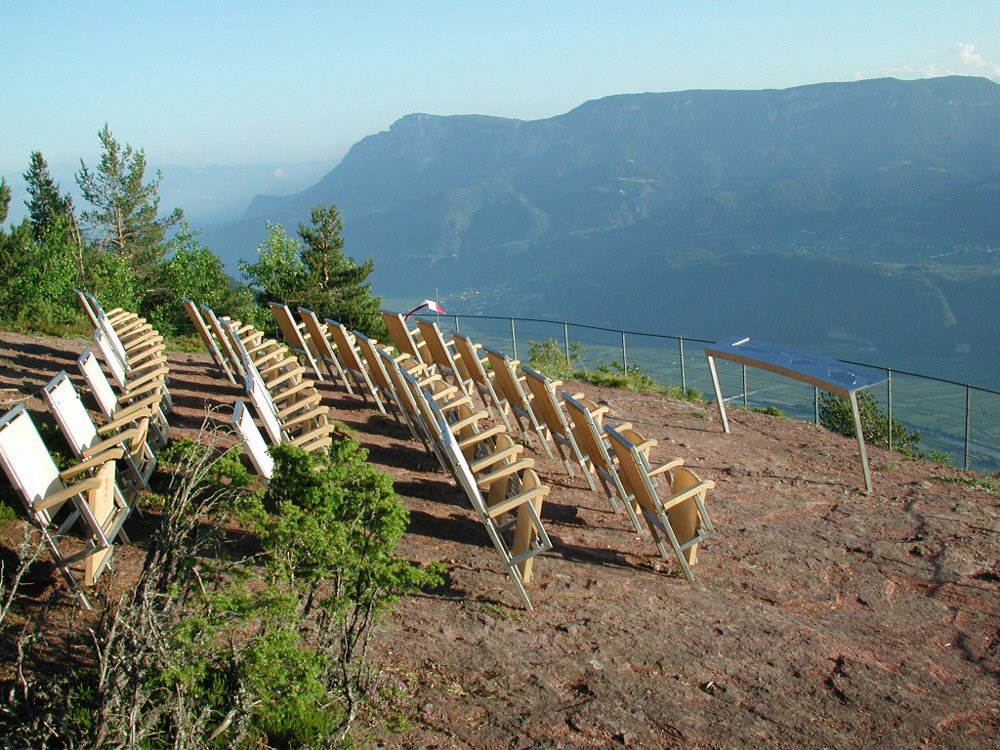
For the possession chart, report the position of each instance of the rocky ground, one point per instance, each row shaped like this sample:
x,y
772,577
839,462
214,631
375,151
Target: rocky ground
x,y
822,615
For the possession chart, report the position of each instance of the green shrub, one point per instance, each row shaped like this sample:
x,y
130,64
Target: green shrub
x,y
835,415
550,359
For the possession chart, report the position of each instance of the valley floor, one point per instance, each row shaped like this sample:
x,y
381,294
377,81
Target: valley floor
x,y
822,616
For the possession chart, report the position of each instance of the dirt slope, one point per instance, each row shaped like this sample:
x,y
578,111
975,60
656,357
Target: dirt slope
x,y
822,616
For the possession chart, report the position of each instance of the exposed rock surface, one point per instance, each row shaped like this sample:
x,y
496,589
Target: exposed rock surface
x,y
822,616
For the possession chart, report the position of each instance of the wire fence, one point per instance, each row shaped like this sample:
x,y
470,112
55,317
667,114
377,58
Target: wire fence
x,y
958,420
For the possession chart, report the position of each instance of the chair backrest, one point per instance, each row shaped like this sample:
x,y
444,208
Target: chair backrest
x,y
27,462
587,432
341,338
402,336
225,343
207,338
90,368
505,379
111,359
317,336
545,403
404,397
74,421
293,335
370,353
253,441
468,360
85,304
437,351
262,402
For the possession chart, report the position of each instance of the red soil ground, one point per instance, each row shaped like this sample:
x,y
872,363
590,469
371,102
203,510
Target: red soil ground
x,y
822,615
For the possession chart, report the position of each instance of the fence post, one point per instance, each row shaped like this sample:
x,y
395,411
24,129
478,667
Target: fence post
x,y
513,339
684,383
816,405
744,384
566,340
456,325
888,371
624,356
968,412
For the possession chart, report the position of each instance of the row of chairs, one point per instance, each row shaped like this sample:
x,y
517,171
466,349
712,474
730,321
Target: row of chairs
x,y
93,492
441,416
616,455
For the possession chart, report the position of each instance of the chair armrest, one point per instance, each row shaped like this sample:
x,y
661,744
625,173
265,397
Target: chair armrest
x,y
110,455
481,436
60,496
486,462
673,463
515,501
121,420
506,471
705,484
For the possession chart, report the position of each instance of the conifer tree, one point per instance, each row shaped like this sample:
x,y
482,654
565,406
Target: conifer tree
x,y
125,217
337,286
5,197
45,202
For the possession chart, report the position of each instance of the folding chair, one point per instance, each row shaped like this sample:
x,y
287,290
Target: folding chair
x,y
152,378
588,429
405,339
547,406
682,517
233,360
116,315
471,367
372,376
530,538
208,339
133,339
292,331
86,440
439,354
111,405
299,422
45,491
508,387
323,348
253,441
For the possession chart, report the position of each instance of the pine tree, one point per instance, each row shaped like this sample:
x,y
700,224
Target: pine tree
x,y
125,219
338,287
5,196
45,202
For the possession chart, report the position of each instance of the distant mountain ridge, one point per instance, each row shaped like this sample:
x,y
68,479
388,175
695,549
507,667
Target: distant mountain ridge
x,y
681,164
637,188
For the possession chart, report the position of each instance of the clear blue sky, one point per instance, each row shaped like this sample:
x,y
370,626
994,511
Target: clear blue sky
x,y
196,82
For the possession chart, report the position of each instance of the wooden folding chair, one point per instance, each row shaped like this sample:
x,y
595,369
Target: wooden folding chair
x,y
588,429
151,378
233,360
470,364
530,538
512,396
208,339
87,440
325,350
439,354
546,405
303,346
45,491
406,340
253,441
300,420
114,407
681,517
354,368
